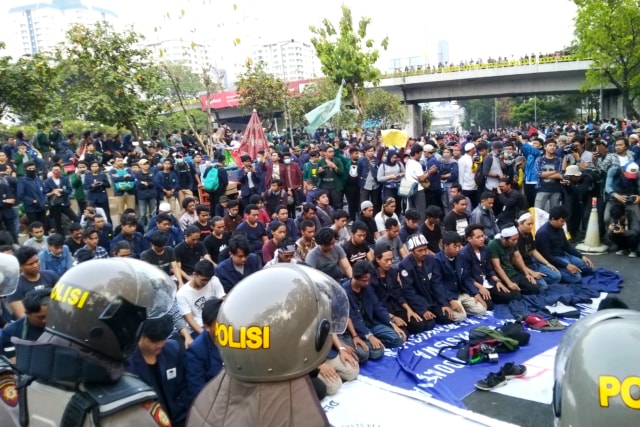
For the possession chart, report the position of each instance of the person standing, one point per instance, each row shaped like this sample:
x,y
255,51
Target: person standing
x,y
95,186
31,193
466,174
58,188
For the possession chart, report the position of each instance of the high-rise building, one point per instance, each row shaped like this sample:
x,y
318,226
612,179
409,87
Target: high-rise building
x,y
195,56
443,51
288,60
40,25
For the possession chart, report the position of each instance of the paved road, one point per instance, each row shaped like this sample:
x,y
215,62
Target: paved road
x,y
532,414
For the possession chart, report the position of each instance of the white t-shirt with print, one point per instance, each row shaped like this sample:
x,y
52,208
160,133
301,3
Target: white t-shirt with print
x,y
192,300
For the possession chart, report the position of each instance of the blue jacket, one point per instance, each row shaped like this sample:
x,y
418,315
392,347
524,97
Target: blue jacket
x,y
135,243
434,178
148,191
473,270
420,285
257,178
452,283
117,176
57,264
171,184
363,170
552,243
531,154
202,362
31,193
229,276
450,168
65,185
96,193
388,290
371,312
173,381
617,183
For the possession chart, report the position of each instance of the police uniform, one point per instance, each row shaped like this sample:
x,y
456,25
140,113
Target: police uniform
x,y
73,375
259,332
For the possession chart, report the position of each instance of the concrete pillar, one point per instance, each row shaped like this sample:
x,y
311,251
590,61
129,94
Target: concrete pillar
x,y
612,106
414,120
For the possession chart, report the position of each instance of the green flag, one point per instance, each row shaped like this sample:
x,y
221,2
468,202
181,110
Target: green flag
x,y
320,115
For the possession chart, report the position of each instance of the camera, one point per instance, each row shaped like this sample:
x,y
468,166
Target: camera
x,y
629,200
569,149
489,353
616,226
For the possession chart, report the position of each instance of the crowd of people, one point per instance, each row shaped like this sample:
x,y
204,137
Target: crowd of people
x,y
430,234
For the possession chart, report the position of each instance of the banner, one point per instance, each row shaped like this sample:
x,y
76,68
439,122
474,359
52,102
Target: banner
x,y
417,366
320,115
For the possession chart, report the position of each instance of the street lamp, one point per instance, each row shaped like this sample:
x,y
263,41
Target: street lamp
x,y
288,121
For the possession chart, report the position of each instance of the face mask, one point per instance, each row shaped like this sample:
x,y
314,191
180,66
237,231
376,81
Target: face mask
x,y
287,161
30,174
179,161
508,155
82,170
56,174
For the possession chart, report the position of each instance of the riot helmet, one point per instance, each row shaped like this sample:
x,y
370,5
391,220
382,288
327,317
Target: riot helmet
x,y
9,274
101,304
274,325
596,380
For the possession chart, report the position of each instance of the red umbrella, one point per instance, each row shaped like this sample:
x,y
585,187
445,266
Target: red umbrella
x,y
254,139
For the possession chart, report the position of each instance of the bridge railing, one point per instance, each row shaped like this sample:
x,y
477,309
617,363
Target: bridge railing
x,y
484,66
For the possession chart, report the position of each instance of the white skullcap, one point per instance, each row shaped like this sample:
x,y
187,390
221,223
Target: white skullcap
x,y
509,232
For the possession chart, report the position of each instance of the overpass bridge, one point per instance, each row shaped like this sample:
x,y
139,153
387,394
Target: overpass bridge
x,y
543,76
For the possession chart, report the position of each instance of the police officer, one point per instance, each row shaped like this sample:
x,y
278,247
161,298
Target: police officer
x,y
596,381
272,330
73,374
9,274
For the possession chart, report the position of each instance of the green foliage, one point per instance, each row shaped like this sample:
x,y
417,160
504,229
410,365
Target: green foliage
x,y
427,117
261,91
25,85
546,109
179,81
607,32
385,107
107,78
178,121
347,54
478,113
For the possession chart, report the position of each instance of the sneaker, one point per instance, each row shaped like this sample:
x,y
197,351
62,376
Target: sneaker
x,y
620,252
633,254
511,370
493,380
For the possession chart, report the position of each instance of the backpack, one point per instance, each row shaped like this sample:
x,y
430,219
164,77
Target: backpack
x,y
485,344
479,177
210,179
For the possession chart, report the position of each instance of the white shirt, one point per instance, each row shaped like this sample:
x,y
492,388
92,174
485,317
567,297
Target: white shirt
x,y
413,170
192,300
465,174
381,218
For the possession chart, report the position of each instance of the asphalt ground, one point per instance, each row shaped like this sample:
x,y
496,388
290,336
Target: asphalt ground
x,y
527,413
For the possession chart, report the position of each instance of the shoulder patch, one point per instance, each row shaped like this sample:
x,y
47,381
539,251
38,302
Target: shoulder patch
x,y
157,413
8,390
404,273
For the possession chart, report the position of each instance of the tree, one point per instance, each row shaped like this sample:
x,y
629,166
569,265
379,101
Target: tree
x,y
107,78
25,85
479,113
180,82
545,109
427,117
607,32
346,54
261,91
385,108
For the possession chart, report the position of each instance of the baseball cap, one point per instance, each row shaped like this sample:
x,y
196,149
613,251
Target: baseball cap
x,y
416,241
143,161
429,148
630,170
366,205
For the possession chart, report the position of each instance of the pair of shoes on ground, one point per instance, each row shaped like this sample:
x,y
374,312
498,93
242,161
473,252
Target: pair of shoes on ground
x,y
498,379
632,254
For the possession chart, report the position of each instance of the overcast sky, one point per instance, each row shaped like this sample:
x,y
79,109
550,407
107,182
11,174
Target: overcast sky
x,y
473,28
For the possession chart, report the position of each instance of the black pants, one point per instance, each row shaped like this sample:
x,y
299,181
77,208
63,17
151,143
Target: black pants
x,y
530,194
82,204
473,197
373,196
107,210
335,197
9,222
38,217
353,200
434,198
56,213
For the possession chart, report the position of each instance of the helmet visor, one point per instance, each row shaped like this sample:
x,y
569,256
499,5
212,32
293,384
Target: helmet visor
x,y
162,288
9,274
337,299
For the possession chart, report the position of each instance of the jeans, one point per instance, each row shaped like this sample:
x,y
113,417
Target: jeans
x,y
146,207
567,276
56,213
369,353
551,277
543,197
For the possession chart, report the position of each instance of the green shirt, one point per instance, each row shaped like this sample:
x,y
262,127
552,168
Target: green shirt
x,y
505,255
42,142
